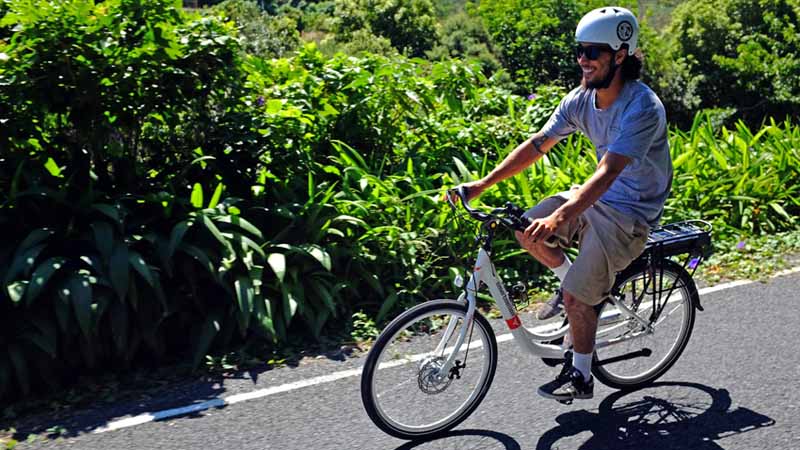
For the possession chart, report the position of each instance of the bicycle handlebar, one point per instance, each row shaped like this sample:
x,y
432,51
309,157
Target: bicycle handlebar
x,y
510,216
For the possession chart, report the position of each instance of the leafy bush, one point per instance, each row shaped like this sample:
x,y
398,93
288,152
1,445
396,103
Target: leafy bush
x,y
409,24
732,53
464,37
262,34
534,38
110,112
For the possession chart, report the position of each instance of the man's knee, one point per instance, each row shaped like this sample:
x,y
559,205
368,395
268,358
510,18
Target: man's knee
x,y
572,303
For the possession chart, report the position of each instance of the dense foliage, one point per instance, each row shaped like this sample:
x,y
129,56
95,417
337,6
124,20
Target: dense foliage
x,y
736,54
164,194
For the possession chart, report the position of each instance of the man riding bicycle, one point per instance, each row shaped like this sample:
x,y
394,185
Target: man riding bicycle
x,y
611,213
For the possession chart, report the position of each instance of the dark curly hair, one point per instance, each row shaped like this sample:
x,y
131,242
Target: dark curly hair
x,y
631,67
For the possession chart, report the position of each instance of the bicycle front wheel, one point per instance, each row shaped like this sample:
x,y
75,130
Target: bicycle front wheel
x,y
404,390
665,299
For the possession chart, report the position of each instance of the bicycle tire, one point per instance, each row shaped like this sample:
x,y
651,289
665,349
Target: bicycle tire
x,y
371,397
688,300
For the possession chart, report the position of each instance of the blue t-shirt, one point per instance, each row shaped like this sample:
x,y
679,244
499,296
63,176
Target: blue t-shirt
x,y
635,125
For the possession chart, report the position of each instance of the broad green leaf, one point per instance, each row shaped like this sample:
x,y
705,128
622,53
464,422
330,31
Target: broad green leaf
x,y
80,295
109,211
16,290
200,256
45,343
319,254
209,329
118,270
387,306
263,312
216,196
241,223
779,209
251,244
23,262
176,236
244,296
103,238
141,266
209,224
35,237
53,168
197,196
277,261
290,305
20,367
463,172
274,106
41,275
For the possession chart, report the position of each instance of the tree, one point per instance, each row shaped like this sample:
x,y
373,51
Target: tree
x,y
409,24
262,34
740,54
534,38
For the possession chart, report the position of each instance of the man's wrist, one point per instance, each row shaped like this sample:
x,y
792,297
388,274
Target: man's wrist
x,y
537,143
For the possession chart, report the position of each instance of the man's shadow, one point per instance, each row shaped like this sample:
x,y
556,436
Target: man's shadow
x,y
665,415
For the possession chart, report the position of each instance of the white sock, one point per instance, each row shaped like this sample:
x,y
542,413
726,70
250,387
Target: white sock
x,y
561,271
583,362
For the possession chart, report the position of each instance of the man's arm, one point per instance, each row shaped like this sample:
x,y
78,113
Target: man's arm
x,y
518,160
607,171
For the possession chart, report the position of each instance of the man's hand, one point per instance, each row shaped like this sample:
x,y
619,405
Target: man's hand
x,y
542,229
474,189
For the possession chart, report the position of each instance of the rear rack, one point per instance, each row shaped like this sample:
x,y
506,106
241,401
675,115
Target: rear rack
x,y
691,236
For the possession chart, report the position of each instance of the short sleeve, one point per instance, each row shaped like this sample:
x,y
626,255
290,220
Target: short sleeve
x,y
561,123
639,129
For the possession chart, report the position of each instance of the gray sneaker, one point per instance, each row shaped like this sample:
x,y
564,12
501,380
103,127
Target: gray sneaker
x,y
553,306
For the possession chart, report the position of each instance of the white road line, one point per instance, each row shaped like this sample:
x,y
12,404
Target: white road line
x,y
237,398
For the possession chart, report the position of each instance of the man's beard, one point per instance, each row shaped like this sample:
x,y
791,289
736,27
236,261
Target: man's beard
x,y
600,82
595,83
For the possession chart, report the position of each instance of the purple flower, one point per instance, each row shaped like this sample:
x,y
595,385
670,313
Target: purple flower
x,y
532,97
260,101
740,245
693,263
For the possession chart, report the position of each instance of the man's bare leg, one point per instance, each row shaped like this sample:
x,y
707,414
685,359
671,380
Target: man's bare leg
x,y
549,256
582,323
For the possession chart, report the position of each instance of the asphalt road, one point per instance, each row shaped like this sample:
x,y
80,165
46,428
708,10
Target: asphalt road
x,y
735,387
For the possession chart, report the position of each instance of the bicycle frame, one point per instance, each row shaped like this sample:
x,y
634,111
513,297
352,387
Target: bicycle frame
x,y
530,340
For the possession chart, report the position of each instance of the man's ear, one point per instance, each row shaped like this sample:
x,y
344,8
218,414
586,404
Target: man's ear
x,y
620,55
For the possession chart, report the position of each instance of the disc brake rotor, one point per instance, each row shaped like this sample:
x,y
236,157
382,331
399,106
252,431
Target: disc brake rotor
x,y
430,378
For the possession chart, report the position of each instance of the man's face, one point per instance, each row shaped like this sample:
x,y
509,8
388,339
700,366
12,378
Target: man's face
x,y
594,71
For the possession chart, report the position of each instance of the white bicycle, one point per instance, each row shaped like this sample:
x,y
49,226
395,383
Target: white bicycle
x,y
431,366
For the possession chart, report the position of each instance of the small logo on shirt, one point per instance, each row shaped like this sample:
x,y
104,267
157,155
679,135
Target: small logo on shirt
x,y
624,31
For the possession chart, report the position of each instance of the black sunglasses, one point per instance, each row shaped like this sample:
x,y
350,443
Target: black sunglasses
x,y
592,52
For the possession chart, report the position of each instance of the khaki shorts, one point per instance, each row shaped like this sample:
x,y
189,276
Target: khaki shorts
x,y
608,241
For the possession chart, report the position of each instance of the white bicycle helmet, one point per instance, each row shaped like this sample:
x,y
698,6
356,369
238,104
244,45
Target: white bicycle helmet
x,y
611,25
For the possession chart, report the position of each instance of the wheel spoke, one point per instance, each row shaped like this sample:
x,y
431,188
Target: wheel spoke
x,y
407,390
670,330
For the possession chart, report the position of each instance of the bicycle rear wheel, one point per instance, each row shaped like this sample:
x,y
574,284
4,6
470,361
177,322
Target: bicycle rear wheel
x,y
404,392
634,363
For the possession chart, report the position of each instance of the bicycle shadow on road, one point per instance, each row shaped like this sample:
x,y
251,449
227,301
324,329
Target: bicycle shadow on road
x,y
466,440
665,415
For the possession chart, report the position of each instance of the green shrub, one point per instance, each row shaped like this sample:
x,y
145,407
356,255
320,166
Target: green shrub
x,y
261,34
464,37
733,53
409,24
